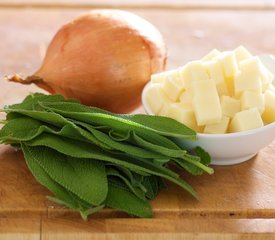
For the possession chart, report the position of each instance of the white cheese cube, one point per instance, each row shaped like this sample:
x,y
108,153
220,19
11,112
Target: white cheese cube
x,y
267,79
161,77
206,102
171,88
230,83
155,97
215,72
254,66
251,99
218,128
242,53
158,77
269,112
229,63
212,54
247,81
186,97
246,120
270,87
230,106
183,113
163,110
222,89
193,71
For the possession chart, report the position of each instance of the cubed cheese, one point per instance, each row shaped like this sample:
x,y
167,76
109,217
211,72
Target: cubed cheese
x,y
252,99
164,109
242,53
206,102
158,77
271,87
230,106
161,77
215,72
222,89
246,120
230,85
246,80
155,97
269,112
172,88
186,97
193,71
212,54
218,128
267,79
183,113
229,63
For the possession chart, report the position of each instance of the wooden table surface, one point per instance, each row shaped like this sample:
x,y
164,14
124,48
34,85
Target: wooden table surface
x,y
237,202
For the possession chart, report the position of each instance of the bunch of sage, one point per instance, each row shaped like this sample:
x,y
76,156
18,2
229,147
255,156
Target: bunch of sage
x,y
90,158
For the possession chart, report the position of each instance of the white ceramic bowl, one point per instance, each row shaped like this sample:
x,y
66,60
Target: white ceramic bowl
x,y
230,148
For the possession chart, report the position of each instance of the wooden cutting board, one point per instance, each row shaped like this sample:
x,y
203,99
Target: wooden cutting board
x,y
237,200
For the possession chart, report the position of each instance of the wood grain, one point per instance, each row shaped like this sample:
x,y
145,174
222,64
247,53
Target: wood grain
x,y
157,229
237,202
145,4
20,228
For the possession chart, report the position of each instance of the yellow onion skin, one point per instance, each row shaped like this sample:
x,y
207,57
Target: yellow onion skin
x,y
103,58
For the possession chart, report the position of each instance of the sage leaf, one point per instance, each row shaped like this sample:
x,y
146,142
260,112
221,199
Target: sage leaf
x,y
119,197
67,198
126,148
87,179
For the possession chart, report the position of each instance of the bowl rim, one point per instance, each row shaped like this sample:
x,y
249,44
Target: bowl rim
x,y
209,135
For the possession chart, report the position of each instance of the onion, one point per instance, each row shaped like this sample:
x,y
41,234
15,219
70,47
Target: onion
x,y
103,58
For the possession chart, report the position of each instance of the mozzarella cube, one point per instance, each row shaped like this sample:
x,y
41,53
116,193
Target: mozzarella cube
x,y
155,97
206,102
161,77
164,109
247,81
246,120
222,89
212,54
183,113
193,71
230,83
230,106
218,128
270,87
171,88
251,99
186,97
229,64
254,66
269,112
215,72
267,79
242,53
158,77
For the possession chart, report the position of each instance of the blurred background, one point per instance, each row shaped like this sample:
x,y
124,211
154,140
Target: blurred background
x,y
191,28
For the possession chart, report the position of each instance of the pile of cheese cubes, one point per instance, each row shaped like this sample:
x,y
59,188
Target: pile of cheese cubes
x,y
223,92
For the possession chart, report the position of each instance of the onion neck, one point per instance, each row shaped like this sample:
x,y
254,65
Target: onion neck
x,y
39,81
19,79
